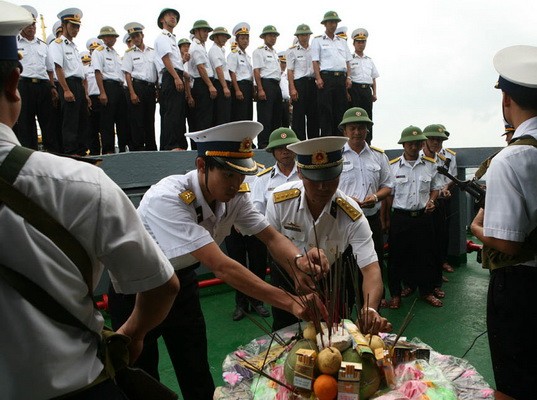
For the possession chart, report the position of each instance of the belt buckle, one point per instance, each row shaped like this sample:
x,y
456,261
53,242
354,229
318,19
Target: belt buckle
x,y
338,73
35,80
414,213
365,86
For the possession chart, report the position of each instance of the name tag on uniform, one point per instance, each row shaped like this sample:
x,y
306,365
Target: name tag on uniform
x,y
108,59
400,176
292,227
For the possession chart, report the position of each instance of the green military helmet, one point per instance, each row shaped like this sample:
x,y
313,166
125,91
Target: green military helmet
x,y
165,11
183,41
445,130
281,137
330,16
303,29
354,114
269,29
107,31
201,24
435,131
411,134
220,30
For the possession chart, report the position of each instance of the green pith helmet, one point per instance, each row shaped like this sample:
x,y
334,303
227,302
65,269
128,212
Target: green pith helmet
x,y
107,31
269,29
281,137
164,11
183,41
354,114
220,30
200,24
445,130
330,16
411,134
435,131
303,29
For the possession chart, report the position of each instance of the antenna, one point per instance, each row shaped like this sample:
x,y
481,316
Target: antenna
x,y
43,28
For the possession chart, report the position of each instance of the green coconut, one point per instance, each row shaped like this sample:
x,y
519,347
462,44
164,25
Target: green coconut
x,y
370,379
290,361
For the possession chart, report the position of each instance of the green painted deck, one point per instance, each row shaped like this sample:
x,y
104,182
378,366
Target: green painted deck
x,y
449,330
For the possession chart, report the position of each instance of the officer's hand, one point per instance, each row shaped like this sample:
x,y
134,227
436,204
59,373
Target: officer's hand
x,y
191,102
239,95
445,193
212,92
372,322
314,263
373,98
261,95
103,98
294,95
135,99
69,96
227,93
369,202
179,84
320,83
309,307
135,346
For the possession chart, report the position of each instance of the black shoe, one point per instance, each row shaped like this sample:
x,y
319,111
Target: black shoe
x,y
238,314
261,310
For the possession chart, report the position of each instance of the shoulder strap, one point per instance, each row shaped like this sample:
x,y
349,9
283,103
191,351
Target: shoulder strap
x,y
39,217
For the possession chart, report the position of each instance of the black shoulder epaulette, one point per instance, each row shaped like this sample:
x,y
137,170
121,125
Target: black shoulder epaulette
x,y
265,171
395,160
451,151
376,149
286,195
349,209
187,196
431,160
244,188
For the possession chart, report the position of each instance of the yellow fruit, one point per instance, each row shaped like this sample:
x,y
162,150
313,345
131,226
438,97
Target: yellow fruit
x,y
329,360
325,387
309,332
375,343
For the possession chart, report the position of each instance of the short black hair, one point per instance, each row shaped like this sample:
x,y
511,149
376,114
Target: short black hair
x,y
6,69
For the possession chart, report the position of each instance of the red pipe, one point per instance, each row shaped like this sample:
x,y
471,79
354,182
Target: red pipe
x,y
471,246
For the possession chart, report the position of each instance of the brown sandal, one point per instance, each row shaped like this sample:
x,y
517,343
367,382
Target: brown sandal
x,y
406,292
383,303
395,302
433,301
448,268
439,293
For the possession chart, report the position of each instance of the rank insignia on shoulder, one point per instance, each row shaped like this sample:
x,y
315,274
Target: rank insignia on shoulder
x,y
259,165
395,160
100,48
244,188
286,195
451,151
376,149
261,47
265,171
187,196
58,40
349,209
130,49
440,156
292,227
431,160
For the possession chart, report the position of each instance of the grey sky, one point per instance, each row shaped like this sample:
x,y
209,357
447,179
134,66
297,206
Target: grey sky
x,y
434,56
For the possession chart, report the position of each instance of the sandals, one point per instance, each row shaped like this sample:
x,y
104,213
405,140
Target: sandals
x,y
448,268
433,301
383,303
395,302
406,292
439,293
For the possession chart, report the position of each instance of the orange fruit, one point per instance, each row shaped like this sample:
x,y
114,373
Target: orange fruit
x,y
325,387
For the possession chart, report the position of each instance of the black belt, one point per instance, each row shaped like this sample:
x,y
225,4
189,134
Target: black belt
x,y
334,73
306,78
142,82
409,213
271,80
113,82
33,80
362,85
248,81
74,79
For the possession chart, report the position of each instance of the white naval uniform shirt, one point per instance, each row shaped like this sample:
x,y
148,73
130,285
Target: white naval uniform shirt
x,y
452,156
413,183
363,69
284,85
332,54
89,73
299,61
266,60
58,358
166,44
34,57
335,229
140,64
108,61
511,199
198,56
217,57
180,228
265,183
65,53
241,64
364,174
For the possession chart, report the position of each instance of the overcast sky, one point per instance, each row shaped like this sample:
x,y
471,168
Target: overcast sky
x,y
434,56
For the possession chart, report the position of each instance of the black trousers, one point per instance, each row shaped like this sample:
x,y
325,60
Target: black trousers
x,y
114,117
142,117
204,107
56,120
243,110
36,101
305,111
94,126
269,111
332,103
441,227
222,105
250,252
411,258
172,114
362,96
378,240
510,308
104,390
74,118
184,333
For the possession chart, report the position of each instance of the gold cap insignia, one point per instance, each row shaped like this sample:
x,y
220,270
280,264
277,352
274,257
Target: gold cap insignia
x,y
414,133
319,157
283,135
246,145
358,114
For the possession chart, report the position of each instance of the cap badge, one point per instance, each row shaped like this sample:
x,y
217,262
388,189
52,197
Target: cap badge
x,y
283,135
414,133
358,113
246,145
319,157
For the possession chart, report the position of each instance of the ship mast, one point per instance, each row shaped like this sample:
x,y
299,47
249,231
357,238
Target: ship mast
x,y
43,28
